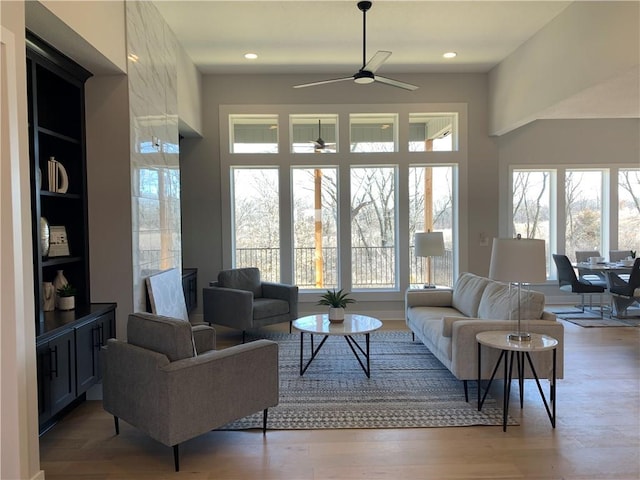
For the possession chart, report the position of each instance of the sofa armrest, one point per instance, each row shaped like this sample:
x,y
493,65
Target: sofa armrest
x,y
227,306
428,298
213,389
464,355
204,337
282,291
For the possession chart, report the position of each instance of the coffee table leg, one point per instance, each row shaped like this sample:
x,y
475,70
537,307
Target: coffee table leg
x,y
365,352
314,352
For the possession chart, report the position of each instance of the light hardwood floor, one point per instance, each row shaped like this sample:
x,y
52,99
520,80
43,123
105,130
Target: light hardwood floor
x,y
597,435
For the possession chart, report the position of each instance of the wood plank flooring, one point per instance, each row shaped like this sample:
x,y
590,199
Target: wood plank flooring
x,y
597,435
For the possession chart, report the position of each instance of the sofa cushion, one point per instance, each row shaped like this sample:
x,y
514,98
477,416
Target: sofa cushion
x,y
269,307
447,324
497,304
169,336
242,279
468,292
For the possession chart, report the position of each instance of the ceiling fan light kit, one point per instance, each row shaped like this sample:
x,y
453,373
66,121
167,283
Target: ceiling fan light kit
x,y
366,74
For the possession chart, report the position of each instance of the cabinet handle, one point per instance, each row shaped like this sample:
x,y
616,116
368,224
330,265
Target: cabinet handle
x,y
53,352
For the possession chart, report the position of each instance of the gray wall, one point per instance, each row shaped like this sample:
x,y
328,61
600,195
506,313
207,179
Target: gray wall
x,y
200,158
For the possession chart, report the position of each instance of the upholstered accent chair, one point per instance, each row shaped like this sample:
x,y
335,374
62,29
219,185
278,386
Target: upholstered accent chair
x,y
625,293
240,300
157,382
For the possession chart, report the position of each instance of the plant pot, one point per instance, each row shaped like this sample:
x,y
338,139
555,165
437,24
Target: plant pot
x,y
336,315
66,303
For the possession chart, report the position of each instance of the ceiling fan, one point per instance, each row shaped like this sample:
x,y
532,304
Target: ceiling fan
x,y
366,74
319,145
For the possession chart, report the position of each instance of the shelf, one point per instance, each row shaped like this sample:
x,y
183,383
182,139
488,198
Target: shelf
x,y
57,135
52,262
69,196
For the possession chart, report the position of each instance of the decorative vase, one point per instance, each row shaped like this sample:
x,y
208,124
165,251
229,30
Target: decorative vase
x,y
44,236
48,296
336,315
66,303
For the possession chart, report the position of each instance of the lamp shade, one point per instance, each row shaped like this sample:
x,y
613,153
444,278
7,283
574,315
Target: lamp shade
x,y
429,244
518,260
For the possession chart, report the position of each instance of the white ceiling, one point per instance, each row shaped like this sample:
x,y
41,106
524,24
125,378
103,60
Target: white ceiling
x,y
326,36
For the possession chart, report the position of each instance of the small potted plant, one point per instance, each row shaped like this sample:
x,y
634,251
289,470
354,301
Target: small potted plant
x,y
337,302
66,297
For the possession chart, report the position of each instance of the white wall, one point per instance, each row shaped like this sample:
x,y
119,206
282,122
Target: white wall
x,y
587,45
19,448
200,158
189,96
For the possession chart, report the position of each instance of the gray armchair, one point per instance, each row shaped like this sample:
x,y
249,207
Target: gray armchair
x,y
157,383
240,300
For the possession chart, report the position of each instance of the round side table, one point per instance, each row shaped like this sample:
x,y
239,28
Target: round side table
x,y
521,350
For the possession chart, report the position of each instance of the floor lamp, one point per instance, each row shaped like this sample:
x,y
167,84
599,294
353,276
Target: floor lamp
x,y
428,244
518,261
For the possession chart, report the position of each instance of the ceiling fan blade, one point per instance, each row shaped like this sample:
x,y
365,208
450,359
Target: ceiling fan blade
x,y
323,82
378,59
395,83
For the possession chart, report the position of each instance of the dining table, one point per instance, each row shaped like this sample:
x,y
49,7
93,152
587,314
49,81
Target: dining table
x,y
604,268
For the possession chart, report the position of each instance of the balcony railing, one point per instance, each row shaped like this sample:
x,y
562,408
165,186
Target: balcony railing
x,y
372,267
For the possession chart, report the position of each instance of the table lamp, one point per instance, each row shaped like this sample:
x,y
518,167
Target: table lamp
x,y
518,261
428,244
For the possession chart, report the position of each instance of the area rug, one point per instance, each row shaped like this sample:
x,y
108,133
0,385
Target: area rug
x,y
408,388
604,322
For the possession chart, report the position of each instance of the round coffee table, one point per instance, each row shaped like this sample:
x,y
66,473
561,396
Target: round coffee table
x,y
353,324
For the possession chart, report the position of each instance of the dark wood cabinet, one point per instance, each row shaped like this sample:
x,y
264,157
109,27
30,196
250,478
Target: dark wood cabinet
x,y
56,374
190,287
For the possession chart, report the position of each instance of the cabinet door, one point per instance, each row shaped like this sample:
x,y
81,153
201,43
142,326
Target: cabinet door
x,y
44,373
62,377
107,330
87,343
90,338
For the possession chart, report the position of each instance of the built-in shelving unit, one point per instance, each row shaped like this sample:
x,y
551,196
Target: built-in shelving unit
x,y
67,342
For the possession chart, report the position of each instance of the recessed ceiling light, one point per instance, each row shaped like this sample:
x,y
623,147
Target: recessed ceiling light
x,y
250,56
450,55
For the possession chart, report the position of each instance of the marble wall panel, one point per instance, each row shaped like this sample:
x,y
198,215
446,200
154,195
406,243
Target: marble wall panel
x,y
155,171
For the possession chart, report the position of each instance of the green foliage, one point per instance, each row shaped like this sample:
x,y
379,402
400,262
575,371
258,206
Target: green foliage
x,y
633,253
335,299
67,291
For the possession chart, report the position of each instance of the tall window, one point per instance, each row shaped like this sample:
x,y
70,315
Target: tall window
x,y
583,202
532,205
315,227
629,209
256,225
373,227
314,133
431,209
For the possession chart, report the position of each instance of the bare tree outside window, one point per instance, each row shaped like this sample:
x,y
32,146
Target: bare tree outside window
x,y
583,200
256,220
373,227
629,209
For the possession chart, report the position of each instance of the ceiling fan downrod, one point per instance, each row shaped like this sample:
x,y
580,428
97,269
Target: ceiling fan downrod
x,y
364,6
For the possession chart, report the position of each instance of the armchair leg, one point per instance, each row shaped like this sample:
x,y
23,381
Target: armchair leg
x,y
265,412
466,391
176,457
116,423
290,324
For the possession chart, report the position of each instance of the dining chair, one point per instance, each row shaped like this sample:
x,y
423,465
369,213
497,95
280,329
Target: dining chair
x,y
616,256
589,275
625,293
569,282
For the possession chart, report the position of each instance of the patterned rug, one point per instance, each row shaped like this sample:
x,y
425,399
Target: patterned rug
x,y
589,319
408,388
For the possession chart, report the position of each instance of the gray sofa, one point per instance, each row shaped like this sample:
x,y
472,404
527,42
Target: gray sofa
x,y
157,382
447,321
